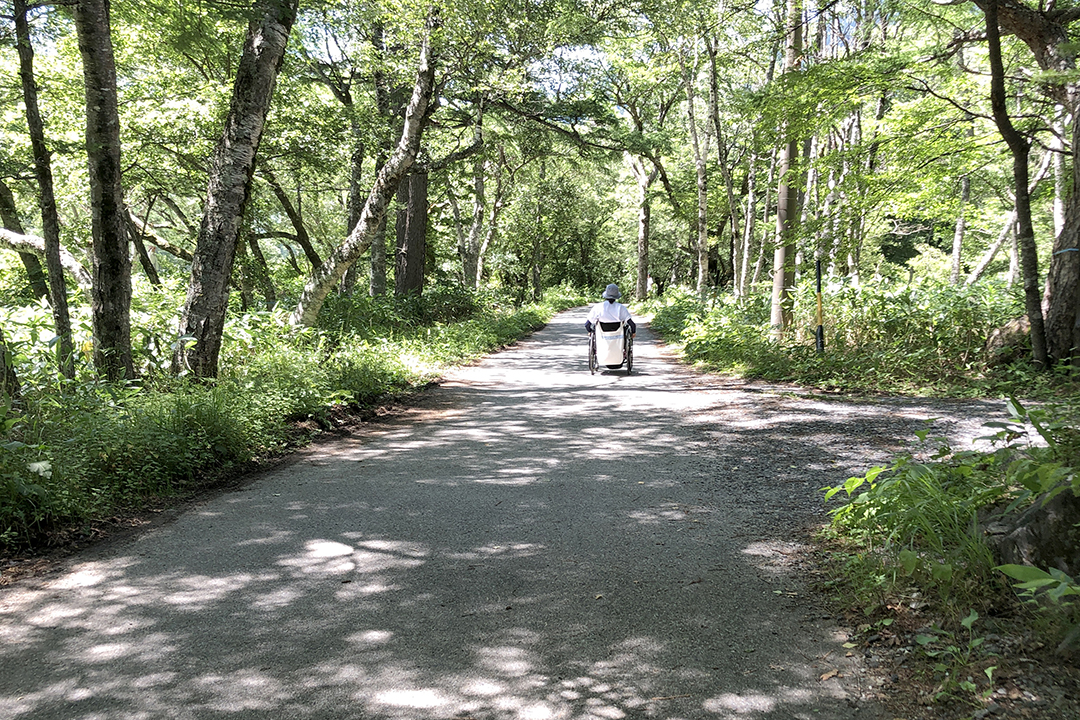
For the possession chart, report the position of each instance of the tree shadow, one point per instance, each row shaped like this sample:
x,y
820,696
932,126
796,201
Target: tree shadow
x,y
548,544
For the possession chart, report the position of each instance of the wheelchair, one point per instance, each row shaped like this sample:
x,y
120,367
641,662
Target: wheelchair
x,y
611,346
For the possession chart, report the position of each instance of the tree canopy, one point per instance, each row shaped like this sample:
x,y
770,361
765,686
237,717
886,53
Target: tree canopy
x,y
563,142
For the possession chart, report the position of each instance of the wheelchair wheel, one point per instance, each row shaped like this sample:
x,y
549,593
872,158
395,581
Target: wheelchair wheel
x,y
629,354
593,365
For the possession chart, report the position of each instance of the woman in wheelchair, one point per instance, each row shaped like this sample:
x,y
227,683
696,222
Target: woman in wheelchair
x,y
609,317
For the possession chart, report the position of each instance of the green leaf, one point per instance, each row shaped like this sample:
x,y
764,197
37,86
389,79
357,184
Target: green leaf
x,y
909,560
1024,573
942,572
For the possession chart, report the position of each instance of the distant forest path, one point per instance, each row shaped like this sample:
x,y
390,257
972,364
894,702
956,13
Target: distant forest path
x,y
530,542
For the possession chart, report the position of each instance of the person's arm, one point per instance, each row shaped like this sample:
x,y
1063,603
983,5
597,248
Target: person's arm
x,y
624,313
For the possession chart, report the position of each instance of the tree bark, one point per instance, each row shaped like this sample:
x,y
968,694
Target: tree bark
x,y
645,179
50,219
9,379
9,217
786,196
959,229
356,194
471,244
111,297
229,187
1045,32
722,151
416,115
1020,148
1061,299
701,241
412,222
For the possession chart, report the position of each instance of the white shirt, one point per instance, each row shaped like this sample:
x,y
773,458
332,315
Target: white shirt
x,y
609,312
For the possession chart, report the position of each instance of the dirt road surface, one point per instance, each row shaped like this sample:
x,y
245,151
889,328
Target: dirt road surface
x,y
532,542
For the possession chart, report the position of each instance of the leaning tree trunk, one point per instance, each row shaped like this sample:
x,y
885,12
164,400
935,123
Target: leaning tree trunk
x,y
293,213
333,268
50,220
1007,228
229,187
1020,148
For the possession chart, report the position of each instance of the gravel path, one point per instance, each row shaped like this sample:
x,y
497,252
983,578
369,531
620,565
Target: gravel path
x,y
531,542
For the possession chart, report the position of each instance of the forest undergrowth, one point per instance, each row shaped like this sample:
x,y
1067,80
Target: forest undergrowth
x,y
76,453
907,551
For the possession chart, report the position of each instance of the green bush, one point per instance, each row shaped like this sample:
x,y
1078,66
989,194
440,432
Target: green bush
x,y
911,534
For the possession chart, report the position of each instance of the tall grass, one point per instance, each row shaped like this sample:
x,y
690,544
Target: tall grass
x,y
917,338
75,451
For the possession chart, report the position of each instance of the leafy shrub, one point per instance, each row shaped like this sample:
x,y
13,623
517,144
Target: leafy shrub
x,y
913,528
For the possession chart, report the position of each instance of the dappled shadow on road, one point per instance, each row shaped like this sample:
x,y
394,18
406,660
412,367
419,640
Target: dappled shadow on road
x,y
545,544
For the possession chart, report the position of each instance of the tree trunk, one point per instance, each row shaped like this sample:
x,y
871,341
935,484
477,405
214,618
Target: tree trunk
x,y
411,235
958,231
722,155
111,298
1010,223
9,379
137,233
36,245
1044,30
741,287
229,187
701,241
786,197
293,213
645,179
1062,295
493,214
536,259
471,245
377,283
356,195
262,271
50,220
1020,149
9,218
326,277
